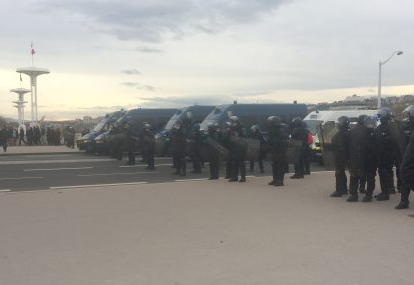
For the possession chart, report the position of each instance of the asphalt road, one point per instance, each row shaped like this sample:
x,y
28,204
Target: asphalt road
x,y
55,171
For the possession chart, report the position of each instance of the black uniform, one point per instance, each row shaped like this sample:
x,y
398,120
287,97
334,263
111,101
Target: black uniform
x,y
356,158
214,155
178,146
340,149
130,143
300,133
256,134
371,163
385,159
196,138
277,147
406,170
237,153
147,142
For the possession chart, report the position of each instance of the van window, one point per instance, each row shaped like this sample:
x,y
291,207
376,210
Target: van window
x,y
312,124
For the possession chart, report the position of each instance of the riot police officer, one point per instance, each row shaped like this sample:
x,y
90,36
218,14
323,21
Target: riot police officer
x,y
385,153
196,137
356,157
130,142
178,146
340,149
213,133
237,151
148,145
371,157
256,134
406,172
299,133
277,147
116,144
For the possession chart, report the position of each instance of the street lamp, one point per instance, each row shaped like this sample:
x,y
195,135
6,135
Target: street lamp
x,y
381,63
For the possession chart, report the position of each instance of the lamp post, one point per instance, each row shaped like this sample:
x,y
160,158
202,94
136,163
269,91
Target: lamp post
x,y
381,63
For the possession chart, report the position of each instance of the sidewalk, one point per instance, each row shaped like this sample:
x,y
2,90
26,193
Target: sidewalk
x,y
44,149
203,233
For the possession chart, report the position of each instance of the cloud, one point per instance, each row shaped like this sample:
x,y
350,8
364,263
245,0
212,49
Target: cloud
x,y
130,84
130,71
149,50
138,86
152,21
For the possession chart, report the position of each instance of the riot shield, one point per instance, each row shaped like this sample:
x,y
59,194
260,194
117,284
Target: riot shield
x,y
210,145
398,138
294,150
325,134
161,146
190,147
247,146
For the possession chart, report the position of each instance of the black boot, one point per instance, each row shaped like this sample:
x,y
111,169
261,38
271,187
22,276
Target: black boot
x,y
352,198
383,196
336,194
402,205
367,198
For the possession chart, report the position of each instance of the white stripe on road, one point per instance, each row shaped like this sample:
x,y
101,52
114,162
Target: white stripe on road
x,y
54,169
19,178
126,166
194,179
117,173
5,190
17,162
96,185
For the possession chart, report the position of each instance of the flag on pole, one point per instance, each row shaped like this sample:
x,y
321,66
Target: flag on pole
x,y
32,51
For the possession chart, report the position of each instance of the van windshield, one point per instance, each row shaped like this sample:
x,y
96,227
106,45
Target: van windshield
x,y
100,126
311,125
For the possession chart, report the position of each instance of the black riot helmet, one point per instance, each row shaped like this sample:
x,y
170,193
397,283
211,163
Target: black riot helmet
x,y
146,126
361,119
343,122
385,114
178,125
297,122
196,127
274,121
370,122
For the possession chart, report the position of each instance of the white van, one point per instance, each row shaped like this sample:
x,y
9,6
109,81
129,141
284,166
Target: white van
x,y
316,118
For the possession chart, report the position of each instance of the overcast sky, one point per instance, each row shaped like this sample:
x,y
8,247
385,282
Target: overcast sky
x,y
107,54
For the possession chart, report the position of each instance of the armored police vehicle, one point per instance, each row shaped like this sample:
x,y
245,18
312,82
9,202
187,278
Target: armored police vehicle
x,y
189,115
254,114
157,118
87,142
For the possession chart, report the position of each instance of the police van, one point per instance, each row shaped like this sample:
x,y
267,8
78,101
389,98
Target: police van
x,y
157,118
254,114
317,118
87,142
189,115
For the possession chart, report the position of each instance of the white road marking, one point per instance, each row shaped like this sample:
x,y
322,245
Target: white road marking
x,y
117,173
17,162
5,190
96,185
19,178
56,169
194,179
127,166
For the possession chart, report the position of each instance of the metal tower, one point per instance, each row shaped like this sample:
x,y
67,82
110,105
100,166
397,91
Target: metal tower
x,y
20,103
33,73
